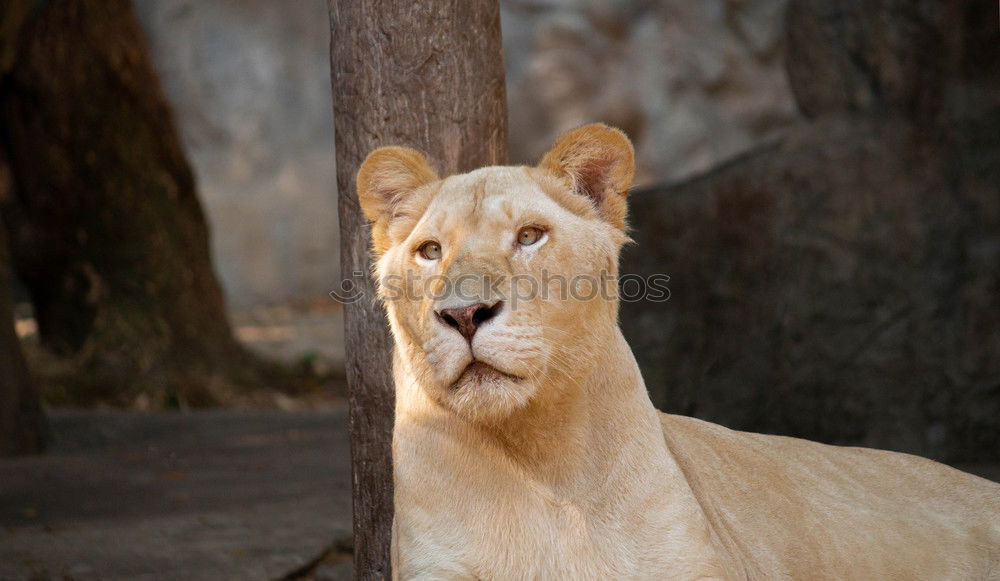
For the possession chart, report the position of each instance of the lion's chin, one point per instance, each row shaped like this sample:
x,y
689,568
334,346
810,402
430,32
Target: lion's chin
x,y
482,373
485,393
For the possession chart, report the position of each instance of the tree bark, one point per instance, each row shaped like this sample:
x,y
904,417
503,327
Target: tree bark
x,y
429,76
22,423
106,228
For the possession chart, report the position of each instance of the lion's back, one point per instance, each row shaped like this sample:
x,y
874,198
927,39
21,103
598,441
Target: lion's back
x,y
783,505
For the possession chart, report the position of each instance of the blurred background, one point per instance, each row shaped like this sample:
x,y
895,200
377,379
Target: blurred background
x,y
820,180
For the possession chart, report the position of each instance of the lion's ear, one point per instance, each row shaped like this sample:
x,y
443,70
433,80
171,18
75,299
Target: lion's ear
x,y
597,162
387,176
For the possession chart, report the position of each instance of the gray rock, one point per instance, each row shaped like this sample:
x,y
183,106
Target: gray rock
x,y
693,83
825,288
250,83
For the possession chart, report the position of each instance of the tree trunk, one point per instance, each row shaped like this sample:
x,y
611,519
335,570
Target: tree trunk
x,y
841,284
106,228
429,76
22,424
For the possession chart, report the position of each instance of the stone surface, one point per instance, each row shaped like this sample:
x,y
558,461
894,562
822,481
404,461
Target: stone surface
x,y
833,287
207,495
250,84
841,284
693,83
872,56
810,301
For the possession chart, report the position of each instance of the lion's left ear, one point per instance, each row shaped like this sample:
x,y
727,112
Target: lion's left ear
x,y
597,162
386,178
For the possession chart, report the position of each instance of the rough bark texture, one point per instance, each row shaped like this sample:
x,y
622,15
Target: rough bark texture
x,y
430,76
841,284
106,228
22,424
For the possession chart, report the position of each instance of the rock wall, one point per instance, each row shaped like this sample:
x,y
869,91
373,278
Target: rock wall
x,y
250,84
693,83
842,284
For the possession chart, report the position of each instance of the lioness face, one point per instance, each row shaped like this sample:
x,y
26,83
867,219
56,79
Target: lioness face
x,y
496,281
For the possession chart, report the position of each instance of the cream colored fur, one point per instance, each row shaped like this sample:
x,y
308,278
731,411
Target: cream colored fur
x,y
559,467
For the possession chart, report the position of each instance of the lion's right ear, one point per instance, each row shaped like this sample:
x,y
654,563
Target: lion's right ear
x,y
387,176
598,163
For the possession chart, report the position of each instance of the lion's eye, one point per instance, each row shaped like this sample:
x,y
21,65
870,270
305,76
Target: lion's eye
x,y
430,250
529,235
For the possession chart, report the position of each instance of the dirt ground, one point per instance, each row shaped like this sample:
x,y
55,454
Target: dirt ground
x,y
205,495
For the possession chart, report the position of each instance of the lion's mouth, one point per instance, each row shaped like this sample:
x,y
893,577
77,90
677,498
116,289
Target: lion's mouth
x,y
479,371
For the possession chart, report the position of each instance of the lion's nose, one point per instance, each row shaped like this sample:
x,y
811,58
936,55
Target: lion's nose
x,y
466,320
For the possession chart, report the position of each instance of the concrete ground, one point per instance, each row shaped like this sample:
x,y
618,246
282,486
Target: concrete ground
x,y
206,495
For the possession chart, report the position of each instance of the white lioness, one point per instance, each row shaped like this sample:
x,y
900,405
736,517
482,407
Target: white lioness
x,y
525,446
